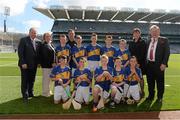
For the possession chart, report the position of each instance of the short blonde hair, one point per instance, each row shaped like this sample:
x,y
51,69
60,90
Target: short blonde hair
x,y
109,36
104,56
122,40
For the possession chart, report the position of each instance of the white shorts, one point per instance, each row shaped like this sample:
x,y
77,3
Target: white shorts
x,y
60,93
105,93
133,91
92,65
82,94
119,94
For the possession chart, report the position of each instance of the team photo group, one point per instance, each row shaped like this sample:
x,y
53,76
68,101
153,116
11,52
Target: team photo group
x,y
103,74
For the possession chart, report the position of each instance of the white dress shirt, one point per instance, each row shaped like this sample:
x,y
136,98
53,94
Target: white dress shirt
x,y
154,49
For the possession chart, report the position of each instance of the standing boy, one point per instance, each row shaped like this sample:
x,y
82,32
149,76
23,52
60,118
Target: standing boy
x,y
109,50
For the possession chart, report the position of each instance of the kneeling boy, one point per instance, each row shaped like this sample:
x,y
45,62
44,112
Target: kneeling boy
x,y
61,74
82,81
133,76
103,77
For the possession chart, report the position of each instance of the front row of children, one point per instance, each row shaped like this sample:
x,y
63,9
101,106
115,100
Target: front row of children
x,y
118,84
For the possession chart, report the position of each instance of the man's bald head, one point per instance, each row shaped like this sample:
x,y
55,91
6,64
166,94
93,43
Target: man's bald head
x,y
32,33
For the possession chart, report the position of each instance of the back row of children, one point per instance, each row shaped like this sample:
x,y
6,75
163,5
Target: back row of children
x,y
114,70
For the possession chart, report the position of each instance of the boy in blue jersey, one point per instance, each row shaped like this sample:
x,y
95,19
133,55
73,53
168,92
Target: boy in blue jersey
x,y
63,49
103,77
117,86
109,50
78,51
123,52
133,76
61,74
83,78
94,51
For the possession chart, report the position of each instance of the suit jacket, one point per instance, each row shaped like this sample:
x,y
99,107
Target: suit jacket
x,y
162,51
27,54
138,49
47,55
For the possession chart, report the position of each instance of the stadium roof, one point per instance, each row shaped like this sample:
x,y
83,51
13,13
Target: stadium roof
x,y
110,14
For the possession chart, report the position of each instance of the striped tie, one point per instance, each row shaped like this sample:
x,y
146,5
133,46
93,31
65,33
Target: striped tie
x,y
152,50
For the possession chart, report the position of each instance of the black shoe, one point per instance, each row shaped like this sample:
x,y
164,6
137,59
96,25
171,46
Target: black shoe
x,y
25,100
149,99
159,100
31,95
112,105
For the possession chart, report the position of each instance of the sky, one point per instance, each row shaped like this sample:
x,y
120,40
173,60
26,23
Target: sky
x,y
23,16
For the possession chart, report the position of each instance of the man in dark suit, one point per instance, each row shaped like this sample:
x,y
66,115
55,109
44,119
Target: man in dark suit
x,y
158,52
28,59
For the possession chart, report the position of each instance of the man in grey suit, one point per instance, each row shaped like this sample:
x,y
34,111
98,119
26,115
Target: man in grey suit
x,y
158,52
28,50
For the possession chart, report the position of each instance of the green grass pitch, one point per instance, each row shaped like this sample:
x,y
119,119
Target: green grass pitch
x,y
11,102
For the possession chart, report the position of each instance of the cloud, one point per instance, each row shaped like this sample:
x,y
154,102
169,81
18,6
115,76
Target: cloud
x,y
32,23
16,6
41,3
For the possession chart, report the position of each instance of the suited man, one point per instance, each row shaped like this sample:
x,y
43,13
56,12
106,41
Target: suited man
x,y
28,50
157,60
47,53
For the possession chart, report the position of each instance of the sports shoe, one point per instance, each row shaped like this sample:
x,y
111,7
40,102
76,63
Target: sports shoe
x,y
112,105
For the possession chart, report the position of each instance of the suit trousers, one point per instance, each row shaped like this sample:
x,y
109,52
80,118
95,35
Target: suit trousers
x,y
46,82
27,81
155,75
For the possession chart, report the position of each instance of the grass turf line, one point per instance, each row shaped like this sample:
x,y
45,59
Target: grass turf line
x,y
11,102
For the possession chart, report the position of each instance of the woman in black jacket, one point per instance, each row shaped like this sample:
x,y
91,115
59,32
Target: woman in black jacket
x,y
47,53
137,48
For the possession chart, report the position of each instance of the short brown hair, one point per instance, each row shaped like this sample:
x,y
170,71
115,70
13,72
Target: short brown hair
x,y
136,30
94,34
70,30
62,57
109,36
62,35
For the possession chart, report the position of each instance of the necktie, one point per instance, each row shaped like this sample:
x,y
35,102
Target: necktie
x,y
152,50
34,44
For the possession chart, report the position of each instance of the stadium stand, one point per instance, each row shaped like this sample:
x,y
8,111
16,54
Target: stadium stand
x,y
9,41
118,23
109,20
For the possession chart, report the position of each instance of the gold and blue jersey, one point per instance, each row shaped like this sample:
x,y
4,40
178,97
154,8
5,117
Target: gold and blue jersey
x,y
133,78
86,73
104,83
61,73
110,52
66,50
93,52
118,76
78,53
125,55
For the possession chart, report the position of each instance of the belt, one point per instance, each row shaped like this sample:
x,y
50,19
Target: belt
x,y
151,62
